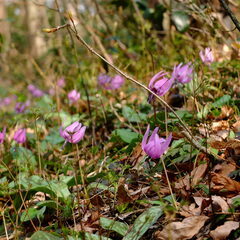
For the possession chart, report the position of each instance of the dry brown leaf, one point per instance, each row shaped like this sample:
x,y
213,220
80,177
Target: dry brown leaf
x,y
189,210
220,125
196,175
236,125
225,183
224,168
222,232
226,112
231,143
137,156
182,230
217,202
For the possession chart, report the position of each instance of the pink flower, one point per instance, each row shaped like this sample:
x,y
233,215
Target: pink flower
x,y
36,92
110,83
182,73
207,56
6,101
20,107
20,135
155,146
73,133
73,96
159,84
61,82
2,135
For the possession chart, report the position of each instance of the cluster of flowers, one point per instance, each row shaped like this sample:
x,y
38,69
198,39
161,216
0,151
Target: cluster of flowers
x,y
110,83
160,84
19,135
153,146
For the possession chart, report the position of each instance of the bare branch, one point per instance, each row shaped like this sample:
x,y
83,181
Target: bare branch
x,y
230,13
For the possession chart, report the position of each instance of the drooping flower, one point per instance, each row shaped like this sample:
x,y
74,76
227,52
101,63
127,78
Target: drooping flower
x,y
159,84
155,146
182,73
110,83
73,96
207,56
36,92
20,135
20,107
74,133
2,135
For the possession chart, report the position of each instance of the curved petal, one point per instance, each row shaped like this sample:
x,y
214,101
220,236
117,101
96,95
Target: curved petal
x,y
145,137
73,127
165,145
77,137
155,78
153,134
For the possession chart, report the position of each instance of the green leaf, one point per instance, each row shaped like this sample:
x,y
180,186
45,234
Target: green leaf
x,y
133,116
88,236
54,187
126,135
49,204
60,189
221,101
44,104
40,235
31,213
54,137
113,225
24,158
143,223
181,20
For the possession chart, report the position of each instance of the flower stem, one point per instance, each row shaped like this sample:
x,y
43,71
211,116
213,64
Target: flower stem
x,y
82,174
169,184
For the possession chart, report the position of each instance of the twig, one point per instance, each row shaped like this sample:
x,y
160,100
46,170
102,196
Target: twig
x,y
187,131
230,13
131,79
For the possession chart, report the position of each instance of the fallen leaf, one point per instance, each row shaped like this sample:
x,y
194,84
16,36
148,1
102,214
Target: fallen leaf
x,y
182,230
224,168
222,232
195,176
189,210
226,112
236,125
224,183
218,203
220,125
123,194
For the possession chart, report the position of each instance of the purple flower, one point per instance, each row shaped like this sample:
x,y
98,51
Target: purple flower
x,y
61,82
159,84
182,73
36,92
156,146
6,101
110,83
73,96
20,107
20,135
2,135
73,133
207,56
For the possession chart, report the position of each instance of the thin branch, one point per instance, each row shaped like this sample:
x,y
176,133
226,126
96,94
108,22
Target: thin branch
x,y
131,79
230,13
188,133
